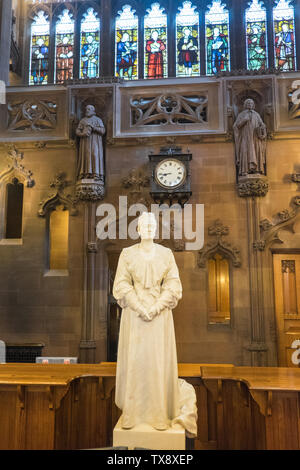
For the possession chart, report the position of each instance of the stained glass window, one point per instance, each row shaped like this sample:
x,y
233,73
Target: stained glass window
x,y
39,50
64,47
89,45
217,38
187,40
256,27
155,40
284,36
127,44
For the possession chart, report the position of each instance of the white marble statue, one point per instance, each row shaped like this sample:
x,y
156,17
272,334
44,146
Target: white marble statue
x,y
147,287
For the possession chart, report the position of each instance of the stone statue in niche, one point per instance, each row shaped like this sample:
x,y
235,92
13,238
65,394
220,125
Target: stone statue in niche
x,y
147,287
250,134
91,160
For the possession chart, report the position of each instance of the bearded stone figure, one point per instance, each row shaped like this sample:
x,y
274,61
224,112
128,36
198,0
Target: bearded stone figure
x,y
147,287
250,135
90,161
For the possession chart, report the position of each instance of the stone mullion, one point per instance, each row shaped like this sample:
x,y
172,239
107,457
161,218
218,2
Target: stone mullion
x,y
107,40
297,33
5,38
52,52
202,11
77,48
271,55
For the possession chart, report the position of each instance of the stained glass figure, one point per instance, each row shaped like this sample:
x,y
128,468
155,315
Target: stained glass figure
x,y
39,50
155,39
256,27
217,38
89,45
127,44
64,47
187,40
284,36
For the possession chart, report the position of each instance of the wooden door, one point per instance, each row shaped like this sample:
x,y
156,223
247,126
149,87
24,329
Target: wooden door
x,y
287,303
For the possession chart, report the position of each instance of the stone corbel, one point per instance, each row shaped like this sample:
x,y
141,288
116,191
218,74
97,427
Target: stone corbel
x,y
58,198
253,186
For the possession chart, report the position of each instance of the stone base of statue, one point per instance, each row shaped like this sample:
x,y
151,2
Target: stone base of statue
x,y
253,185
144,436
90,190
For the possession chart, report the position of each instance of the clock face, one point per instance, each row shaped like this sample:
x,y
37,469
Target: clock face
x,y
170,173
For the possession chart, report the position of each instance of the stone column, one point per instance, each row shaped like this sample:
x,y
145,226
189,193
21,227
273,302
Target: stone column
x,y
5,38
88,343
253,189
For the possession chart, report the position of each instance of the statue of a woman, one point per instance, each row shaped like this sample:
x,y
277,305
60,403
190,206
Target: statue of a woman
x,y
147,287
250,135
91,161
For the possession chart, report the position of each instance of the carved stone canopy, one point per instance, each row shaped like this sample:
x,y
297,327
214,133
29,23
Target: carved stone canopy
x,y
219,246
58,198
17,169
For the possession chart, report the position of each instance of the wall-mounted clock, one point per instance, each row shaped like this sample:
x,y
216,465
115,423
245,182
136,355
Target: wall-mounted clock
x,y
171,177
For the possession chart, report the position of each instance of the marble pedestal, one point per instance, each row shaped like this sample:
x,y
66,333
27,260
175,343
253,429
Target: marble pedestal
x,y
146,437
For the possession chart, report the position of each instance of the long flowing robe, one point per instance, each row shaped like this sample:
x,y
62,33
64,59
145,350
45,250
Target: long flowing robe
x,y
250,140
147,386
90,159
156,59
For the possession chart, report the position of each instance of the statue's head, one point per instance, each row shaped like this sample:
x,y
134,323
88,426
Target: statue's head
x,y
147,226
90,110
249,104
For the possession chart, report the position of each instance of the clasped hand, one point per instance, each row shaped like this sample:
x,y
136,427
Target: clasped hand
x,y
148,314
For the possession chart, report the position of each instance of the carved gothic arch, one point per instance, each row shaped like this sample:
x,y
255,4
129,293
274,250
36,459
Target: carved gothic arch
x,y
219,245
58,198
14,170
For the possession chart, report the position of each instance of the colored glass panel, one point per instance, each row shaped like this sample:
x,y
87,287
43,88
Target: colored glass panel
x,y
127,44
39,50
187,40
89,45
217,39
256,33
64,47
284,36
155,40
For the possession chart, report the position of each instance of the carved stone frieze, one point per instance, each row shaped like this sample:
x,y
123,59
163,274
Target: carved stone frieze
x,y
36,115
170,108
253,186
219,245
58,198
